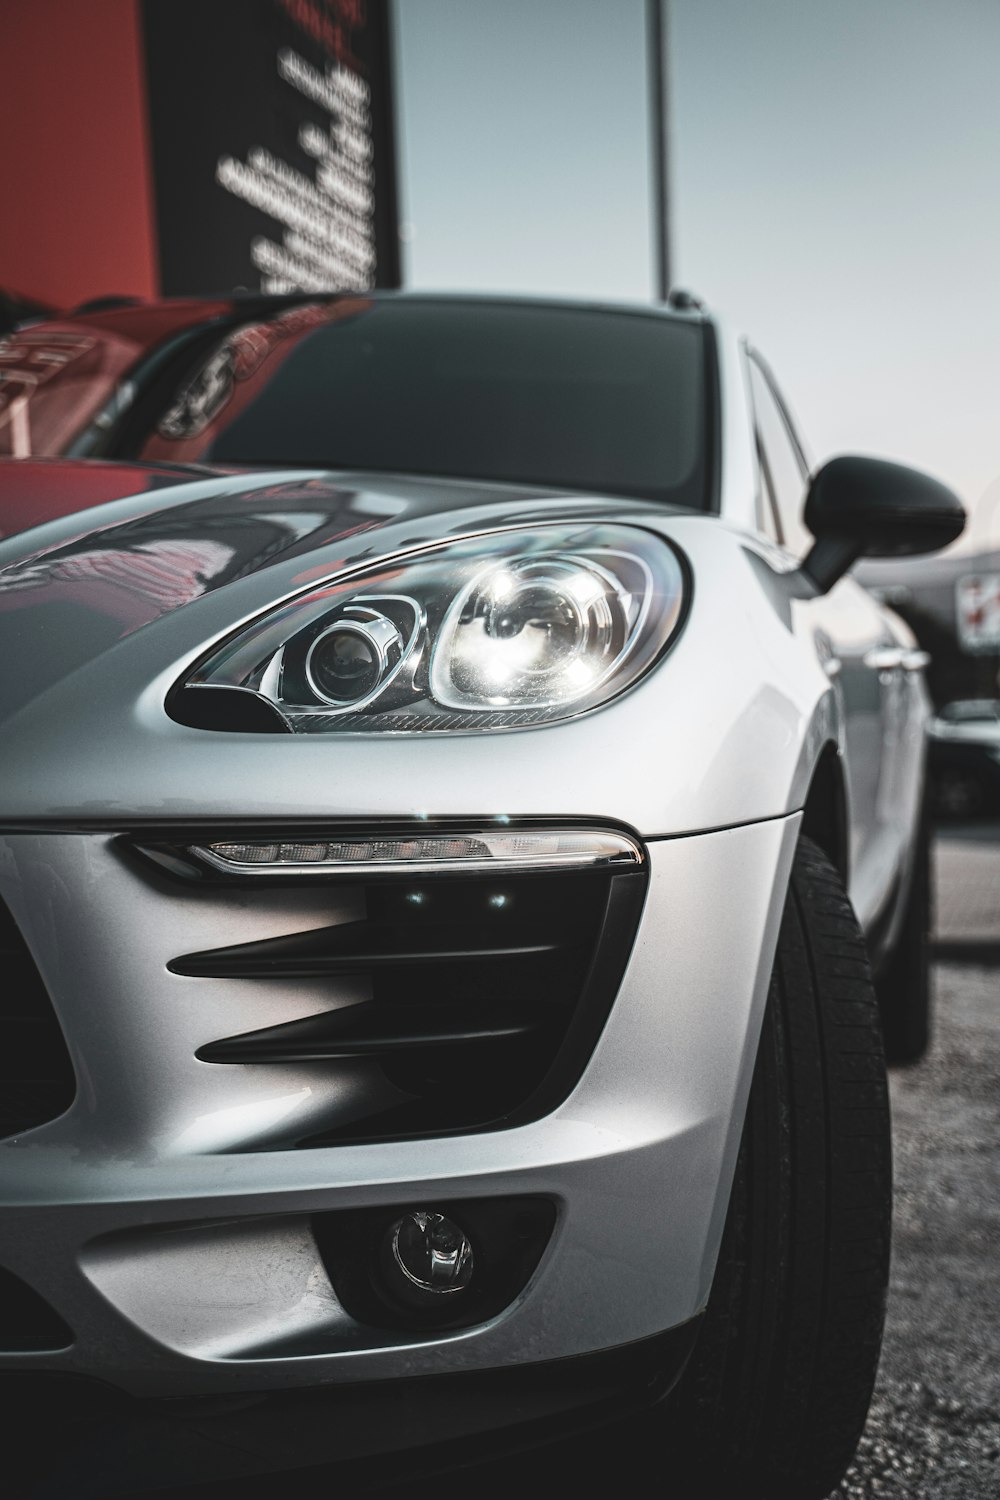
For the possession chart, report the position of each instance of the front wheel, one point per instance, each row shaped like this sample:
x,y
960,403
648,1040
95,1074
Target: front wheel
x,y
776,1394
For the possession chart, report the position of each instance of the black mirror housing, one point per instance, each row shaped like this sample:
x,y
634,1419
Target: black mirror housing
x,y
866,507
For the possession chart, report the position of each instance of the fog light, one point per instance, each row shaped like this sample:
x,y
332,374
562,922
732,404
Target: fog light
x,y
432,1252
392,1266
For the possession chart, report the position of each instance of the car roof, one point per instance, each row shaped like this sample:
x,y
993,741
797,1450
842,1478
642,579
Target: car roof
x,y
182,312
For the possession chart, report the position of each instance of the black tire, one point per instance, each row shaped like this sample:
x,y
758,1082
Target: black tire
x,y
903,985
775,1396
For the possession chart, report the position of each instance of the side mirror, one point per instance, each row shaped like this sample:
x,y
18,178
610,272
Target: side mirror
x,y
865,507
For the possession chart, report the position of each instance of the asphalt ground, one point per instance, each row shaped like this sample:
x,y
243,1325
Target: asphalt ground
x,y
934,1428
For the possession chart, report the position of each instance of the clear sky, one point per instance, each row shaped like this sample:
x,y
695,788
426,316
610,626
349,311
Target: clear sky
x,y
523,134
835,169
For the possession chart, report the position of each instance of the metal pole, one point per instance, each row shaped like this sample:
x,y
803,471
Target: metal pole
x,y
656,46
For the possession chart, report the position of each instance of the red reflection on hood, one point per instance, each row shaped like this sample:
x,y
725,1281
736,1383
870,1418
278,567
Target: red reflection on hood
x,y
33,491
132,585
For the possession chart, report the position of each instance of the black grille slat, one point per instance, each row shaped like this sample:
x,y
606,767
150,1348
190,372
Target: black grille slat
x,y
26,1102
368,1030
485,996
19,977
27,1322
350,948
36,1076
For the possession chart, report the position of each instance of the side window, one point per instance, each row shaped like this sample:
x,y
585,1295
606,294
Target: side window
x,y
783,465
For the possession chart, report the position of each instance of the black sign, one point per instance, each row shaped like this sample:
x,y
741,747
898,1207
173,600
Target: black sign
x,y
272,143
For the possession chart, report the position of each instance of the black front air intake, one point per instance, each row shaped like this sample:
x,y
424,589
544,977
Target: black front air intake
x,y
36,1075
488,995
27,1321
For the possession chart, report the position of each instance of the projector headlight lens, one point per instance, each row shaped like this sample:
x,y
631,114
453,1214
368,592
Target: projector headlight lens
x,y
517,628
350,660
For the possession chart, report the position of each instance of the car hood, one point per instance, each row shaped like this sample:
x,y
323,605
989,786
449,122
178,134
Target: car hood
x,y
100,551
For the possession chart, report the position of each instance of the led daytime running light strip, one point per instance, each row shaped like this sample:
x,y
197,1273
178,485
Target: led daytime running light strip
x,y
426,853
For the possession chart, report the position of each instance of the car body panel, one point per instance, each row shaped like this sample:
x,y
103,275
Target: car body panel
x,y
883,711
145,1213
744,751
135,1216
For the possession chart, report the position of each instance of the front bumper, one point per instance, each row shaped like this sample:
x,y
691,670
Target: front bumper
x,y
167,1221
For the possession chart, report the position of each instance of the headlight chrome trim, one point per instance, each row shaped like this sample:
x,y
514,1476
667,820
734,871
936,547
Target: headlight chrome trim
x,y
270,654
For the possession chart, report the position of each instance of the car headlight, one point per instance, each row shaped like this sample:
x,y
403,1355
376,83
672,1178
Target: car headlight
x,y
516,628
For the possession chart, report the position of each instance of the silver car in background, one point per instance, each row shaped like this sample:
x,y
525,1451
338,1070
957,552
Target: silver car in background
x,y
453,803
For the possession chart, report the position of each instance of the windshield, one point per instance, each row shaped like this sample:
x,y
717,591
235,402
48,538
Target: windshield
x,y
66,383
555,397
54,377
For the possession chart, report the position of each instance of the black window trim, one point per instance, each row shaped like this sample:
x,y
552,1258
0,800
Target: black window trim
x,y
752,355
755,357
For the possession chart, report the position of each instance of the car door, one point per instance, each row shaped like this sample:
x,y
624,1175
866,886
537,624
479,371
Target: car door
x,y
865,658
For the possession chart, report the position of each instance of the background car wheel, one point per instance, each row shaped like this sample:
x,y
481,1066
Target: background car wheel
x,y
904,990
775,1397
